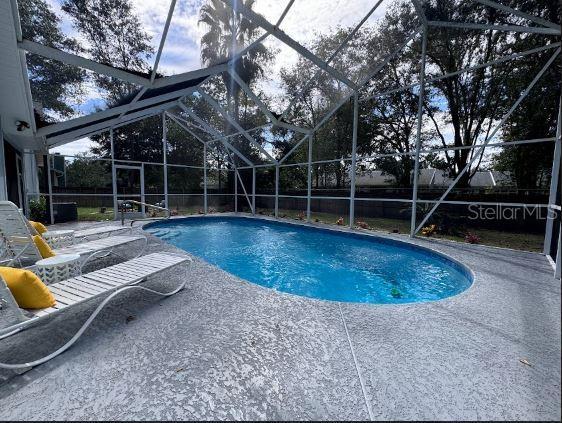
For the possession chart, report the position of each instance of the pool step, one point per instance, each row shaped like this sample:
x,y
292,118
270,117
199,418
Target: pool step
x,y
170,234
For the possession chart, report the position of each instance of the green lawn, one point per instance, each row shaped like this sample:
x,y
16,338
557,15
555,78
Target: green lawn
x,y
515,240
94,214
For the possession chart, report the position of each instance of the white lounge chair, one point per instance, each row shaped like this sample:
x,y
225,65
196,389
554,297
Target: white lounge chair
x,y
83,234
18,239
100,231
110,281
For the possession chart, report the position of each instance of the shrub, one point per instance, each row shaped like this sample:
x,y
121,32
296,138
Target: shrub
x,y
363,225
472,238
38,209
429,230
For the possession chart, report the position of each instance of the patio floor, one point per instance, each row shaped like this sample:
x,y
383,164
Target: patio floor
x,y
224,348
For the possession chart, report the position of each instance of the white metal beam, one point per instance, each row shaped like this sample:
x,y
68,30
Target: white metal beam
x,y
419,10
113,176
75,60
234,123
165,157
507,28
187,76
558,264
3,177
155,66
215,133
253,190
237,175
184,127
292,127
276,210
192,125
353,160
418,134
554,181
205,208
253,96
309,179
523,15
163,41
114,111
103,126
468,69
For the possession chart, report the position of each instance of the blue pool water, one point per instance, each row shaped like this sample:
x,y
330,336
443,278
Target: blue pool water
x,y
317,263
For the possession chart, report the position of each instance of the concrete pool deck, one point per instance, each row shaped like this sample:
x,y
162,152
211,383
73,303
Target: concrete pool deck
x,y
224,348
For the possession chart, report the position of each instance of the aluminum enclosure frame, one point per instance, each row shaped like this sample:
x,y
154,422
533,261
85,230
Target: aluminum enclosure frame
x,y
126,114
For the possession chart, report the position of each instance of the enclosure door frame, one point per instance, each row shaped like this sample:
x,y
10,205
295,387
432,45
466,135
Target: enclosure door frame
x,y
116,195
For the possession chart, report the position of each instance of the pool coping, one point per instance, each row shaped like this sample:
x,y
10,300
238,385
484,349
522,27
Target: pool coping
x,y
464,268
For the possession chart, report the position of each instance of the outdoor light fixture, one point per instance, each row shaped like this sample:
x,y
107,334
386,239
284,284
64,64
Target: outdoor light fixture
x,y
21,125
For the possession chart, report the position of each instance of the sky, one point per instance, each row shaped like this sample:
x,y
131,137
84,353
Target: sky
x,y
181,52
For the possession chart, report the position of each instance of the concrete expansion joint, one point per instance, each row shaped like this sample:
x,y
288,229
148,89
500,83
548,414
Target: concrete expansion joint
x,y
361,381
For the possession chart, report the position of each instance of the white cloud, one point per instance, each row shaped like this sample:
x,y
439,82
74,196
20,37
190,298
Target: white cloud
x,y
82,145
305,19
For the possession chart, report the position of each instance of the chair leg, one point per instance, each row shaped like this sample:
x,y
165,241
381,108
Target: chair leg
x,y
87,323
22,370
145,245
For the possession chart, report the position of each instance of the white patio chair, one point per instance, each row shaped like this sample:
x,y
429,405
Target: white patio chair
x,y
100,231
110,281
18,240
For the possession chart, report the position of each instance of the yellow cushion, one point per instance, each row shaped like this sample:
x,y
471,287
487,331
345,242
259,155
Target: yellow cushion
x,y
43,247
27,288
38,226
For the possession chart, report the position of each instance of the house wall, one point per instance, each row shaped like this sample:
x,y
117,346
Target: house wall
x,y
18,174
3,180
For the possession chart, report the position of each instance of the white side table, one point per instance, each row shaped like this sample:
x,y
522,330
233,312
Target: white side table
x,y
59,239
58,268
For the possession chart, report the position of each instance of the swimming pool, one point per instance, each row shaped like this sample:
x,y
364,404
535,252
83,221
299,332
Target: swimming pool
x,y
317,263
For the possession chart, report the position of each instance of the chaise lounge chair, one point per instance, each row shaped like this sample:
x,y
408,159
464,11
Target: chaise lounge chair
x,y
18,240
110,281
100,231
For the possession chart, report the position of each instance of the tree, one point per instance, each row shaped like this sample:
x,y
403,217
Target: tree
x,y
313,99
85,172
536,117
54,84
391,120
228,32
477,99
386,124
115,37
140,141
